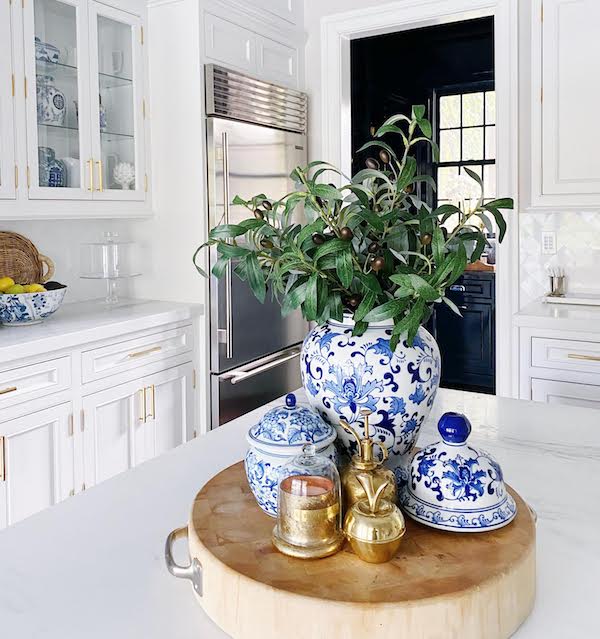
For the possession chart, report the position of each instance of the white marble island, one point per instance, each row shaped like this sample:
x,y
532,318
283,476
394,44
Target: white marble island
x,y
93,566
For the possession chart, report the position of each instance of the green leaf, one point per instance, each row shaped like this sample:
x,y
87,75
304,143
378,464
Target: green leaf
x,y
219,267
310,300
437,245
371,218
418,111
294,298
327,192
396,118
365,306
331,246
500,221
451,305
408,173
473,175
336,310
385,311
370,281
344,267
194,260
239,201
256,277
425,126
367,174
435,151
359,328
226,231
231,250
315,227
501,203
423,288
380,144
322,299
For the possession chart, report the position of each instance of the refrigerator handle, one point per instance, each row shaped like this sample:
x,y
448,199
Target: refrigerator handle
x,y
237,376
228,274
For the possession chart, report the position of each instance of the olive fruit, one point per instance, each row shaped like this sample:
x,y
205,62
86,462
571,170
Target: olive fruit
x,y
378,263
258,214
373,247
384,156
318,239
320,201
354,300
371,163
426,239
409,189
266,243
267,205
346,233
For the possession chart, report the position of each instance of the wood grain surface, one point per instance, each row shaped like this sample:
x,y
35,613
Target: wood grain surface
x,y
440,584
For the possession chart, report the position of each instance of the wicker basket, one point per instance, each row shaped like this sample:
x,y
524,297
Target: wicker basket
x,y
20,259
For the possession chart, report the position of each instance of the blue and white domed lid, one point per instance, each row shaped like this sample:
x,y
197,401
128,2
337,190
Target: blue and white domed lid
x,y
453,486
284,429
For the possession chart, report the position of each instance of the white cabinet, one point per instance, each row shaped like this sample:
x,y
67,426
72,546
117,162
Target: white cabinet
x,y
556,392
277,61
7,141
565,54
127,424
38,463
289,10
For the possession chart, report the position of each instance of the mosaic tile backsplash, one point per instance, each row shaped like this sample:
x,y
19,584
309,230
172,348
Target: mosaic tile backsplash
x,y
577,252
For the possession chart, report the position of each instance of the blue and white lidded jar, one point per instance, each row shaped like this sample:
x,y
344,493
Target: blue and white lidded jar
x,y
279,436
51,103
453,486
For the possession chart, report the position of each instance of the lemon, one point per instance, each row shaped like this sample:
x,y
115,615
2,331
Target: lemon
x,y
6,282
15,289
34,288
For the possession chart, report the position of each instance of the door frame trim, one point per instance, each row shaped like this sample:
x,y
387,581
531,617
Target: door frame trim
x,y
339,29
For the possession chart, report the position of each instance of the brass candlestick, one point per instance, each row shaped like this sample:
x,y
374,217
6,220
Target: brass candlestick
x,y
365,462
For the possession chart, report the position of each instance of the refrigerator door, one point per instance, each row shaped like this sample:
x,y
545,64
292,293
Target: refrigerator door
x,y
243,389
246,159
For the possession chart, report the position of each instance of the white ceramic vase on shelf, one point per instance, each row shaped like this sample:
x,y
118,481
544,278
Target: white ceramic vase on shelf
x,y
124,175
343,375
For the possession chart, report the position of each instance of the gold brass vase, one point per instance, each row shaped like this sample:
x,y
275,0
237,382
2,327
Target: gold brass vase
x,y
374,526
364,462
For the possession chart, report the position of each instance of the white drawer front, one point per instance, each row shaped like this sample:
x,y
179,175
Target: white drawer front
x,y
563,354
133,353
229,43
277,62
569,393
35,380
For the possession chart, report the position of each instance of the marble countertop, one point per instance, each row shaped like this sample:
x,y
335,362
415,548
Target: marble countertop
x,y
81,322
93,566
568,317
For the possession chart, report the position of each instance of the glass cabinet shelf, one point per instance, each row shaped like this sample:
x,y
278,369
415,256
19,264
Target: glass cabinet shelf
x,y
108,81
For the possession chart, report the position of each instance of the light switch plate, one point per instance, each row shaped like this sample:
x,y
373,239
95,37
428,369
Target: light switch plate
x,y
548,242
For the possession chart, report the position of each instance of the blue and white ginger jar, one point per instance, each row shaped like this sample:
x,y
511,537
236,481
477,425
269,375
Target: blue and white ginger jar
x,y
456,487
279,436
51,103
343,375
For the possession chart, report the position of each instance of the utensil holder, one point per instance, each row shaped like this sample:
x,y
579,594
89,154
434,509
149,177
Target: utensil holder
x,y
558,286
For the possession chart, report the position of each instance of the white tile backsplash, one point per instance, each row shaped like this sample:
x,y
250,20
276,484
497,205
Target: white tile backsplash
x,y
578,251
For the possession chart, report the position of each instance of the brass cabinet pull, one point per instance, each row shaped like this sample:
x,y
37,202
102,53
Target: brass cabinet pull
x,y
142,417
100,178
2,459
154,349
10,389
589,358
153,400
90,164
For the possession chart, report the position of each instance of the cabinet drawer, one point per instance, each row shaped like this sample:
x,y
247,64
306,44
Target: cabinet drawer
x,y
572,355
277,62
229,43
26,383
569,393
134,353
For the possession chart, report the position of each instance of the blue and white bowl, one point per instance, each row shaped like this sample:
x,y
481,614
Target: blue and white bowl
x,y
279,436
21,309
453,486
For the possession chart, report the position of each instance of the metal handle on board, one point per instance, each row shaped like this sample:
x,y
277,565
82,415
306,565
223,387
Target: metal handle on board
x,y
588,358
10,389
193,571
235,377
147,351
142,417
100,178
90,164
228,274
459,288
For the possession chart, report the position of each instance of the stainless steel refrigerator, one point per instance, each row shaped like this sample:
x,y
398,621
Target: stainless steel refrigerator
x,y
256,135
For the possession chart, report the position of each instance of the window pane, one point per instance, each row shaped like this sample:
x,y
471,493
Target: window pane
x,y
489,181
450,145
490,107
449,111
472,144
448,187
472,109
470,190
490,142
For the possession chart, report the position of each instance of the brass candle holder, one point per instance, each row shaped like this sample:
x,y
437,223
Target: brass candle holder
x,y
308,508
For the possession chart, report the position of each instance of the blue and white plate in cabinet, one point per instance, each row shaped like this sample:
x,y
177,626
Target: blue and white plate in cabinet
x,y
279,436
453,486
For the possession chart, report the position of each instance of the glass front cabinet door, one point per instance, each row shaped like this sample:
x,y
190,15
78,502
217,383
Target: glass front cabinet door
x,y
8,170
84,110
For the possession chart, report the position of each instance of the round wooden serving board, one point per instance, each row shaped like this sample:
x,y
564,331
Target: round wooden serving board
x,y
441,585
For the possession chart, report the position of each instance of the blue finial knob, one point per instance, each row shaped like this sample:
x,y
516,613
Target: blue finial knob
x,y
290,400
454,428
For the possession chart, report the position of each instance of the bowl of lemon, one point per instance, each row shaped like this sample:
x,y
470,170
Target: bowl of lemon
x,y
26,304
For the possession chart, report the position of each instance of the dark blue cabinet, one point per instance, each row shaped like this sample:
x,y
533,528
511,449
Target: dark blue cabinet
x,y
467,343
